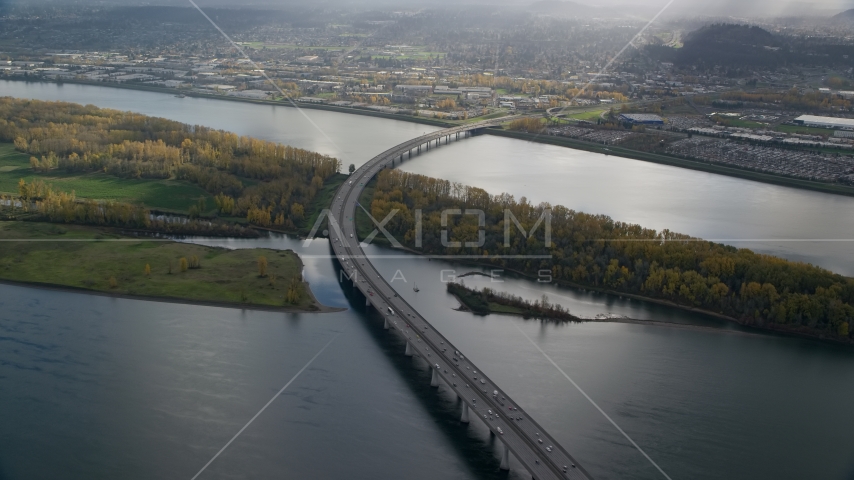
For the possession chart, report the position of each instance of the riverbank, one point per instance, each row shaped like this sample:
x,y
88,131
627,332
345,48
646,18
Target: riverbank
x,y
764,327
103,262
544,139
473,301
279,103
675,162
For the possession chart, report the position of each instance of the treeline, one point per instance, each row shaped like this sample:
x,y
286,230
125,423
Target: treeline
x,y
40,202
598,251
257,175
529,124
478,301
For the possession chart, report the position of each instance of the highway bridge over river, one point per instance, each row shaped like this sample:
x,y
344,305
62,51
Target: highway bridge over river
x,y
482,399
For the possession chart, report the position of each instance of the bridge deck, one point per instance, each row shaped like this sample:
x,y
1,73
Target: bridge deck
x,y
526,439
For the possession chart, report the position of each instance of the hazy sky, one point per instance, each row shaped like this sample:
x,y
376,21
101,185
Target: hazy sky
x,y
764,8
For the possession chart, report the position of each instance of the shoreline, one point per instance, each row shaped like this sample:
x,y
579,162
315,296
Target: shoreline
x,y
607,150
162,299
616,151
796,333
308,106
313,305
623,320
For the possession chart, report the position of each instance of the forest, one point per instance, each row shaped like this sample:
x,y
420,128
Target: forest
x,y
599,252
267,183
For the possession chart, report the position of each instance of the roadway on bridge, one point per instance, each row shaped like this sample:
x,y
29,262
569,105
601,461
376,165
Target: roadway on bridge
x,y
530,444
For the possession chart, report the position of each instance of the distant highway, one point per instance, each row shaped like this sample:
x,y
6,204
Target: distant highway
x,y
520,435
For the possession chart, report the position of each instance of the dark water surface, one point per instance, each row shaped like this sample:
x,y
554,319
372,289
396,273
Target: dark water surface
x,y
94,387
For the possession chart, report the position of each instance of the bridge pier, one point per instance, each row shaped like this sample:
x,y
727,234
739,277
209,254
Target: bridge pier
x,y
465,417
408,351
386,326
367,302
434,381
505,457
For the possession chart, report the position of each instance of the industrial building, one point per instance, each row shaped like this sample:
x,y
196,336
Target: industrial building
x,y
825,122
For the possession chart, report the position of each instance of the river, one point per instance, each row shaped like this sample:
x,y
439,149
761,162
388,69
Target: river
x,y
101,387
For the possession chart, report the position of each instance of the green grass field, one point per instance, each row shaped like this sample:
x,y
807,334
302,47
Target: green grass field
x,y
322,200
738,123
590,116
804,130
170,195
89,257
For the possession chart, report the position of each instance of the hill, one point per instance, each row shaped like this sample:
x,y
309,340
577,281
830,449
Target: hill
x,y
730,45
846,16
745,48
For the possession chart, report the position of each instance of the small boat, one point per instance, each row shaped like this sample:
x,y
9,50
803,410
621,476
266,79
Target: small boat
x,y
416,289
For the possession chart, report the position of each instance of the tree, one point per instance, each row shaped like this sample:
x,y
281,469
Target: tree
x,y
147,270
262,266
294,293
352,168
113,282
183,264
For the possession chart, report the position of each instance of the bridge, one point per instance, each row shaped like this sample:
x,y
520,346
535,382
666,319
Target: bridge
x,y
521,435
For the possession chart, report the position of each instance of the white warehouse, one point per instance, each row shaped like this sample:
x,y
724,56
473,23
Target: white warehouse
x,y
825,122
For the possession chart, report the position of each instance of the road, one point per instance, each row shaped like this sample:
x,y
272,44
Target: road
x,y
530,444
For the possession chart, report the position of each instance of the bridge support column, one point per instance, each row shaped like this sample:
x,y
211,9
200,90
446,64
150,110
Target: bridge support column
x,y
386,326
465,417
505,457
408,351
434,381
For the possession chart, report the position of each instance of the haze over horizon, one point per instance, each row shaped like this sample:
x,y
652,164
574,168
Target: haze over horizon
x,y
762,8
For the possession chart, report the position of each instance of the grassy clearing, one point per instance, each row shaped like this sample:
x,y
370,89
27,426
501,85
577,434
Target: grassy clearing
x,y
589,116
738,123
322,200
225,277
804,130
171,195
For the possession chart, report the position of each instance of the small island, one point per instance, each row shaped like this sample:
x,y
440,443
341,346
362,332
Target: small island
x,y
486,301
104,261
